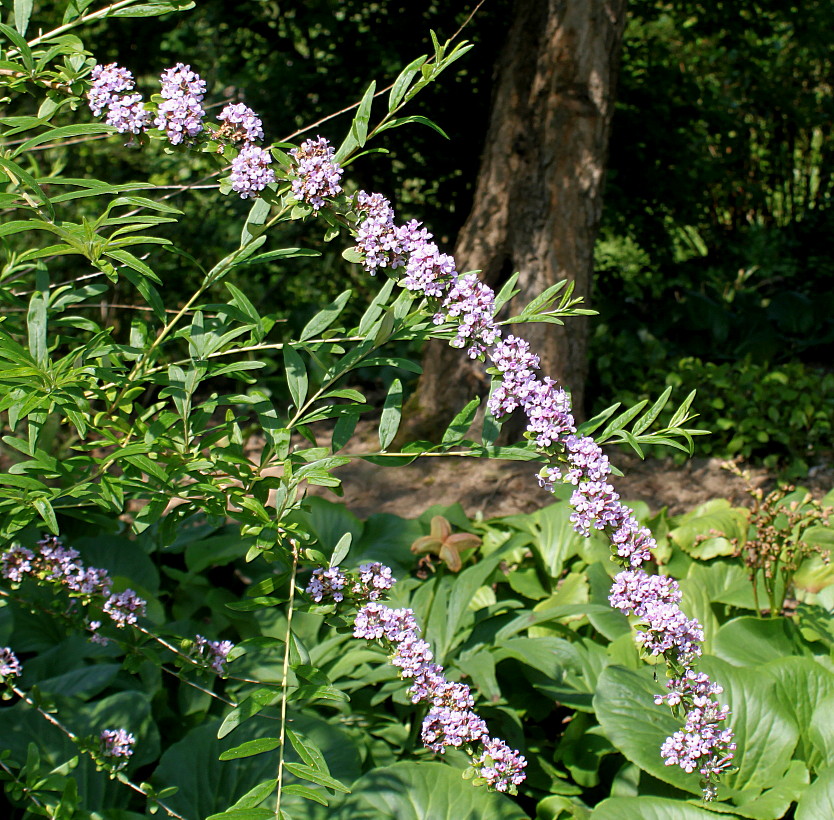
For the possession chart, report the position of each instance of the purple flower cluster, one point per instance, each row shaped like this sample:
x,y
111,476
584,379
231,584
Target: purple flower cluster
x,y
9,664
451,720
317,174
377,237
116,746
701,744
251,171
125,112
333,585
472,304
124,608
60,565
214,652
180,114
240,124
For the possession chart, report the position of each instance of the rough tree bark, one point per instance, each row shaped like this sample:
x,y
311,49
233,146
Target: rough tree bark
x,y
538,198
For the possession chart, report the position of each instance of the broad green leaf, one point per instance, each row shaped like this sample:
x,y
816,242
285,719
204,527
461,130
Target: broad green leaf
x,y
818,800
749,641
389,421
419,791
715,516
821,733
649,808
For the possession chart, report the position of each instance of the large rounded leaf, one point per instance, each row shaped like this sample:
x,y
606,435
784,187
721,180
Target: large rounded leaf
x,y
630,719
419,791
649,808
749,641
802,684
818,801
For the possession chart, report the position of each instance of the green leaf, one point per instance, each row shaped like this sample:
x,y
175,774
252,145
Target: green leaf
x,y
63,133
255,220
307,793
461,423
414,118
21,45
253,705
36,319
649,808
324,318
296,375
22,12
154,8
341,549
646,421
307,751
46,512
18,174
389,422
620,421
359,126
305,772
508,290
403,81
251,748
392,361
281,253
818,800
749,641
418,791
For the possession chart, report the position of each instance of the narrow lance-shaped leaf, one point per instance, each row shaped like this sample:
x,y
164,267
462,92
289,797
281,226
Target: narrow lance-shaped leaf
x,y
461,422
36,318
401,84
296,375
325,317
389,422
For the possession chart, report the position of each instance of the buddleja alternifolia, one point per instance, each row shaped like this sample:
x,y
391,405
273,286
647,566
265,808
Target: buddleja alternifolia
x,y
307,182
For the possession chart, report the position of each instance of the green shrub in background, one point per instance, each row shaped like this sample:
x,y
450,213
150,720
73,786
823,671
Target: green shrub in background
x,y
781,415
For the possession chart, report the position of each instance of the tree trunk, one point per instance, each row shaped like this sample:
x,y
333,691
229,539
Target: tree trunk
x,y
538,198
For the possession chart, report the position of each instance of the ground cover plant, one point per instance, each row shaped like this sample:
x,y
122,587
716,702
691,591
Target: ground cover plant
x,y
184,628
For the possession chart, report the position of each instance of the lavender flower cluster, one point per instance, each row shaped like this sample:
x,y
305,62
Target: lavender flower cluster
x,y
317,174
469,305
116,747
179,116
450,720
371,581
60,565
10,666
214,653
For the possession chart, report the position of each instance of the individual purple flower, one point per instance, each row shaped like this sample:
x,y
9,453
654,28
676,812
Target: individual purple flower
x,y
317,174
95,636
124,608
128,115
215,652
240,123
10,666
501,766
251,171
16,562
116,746
180,114
109,81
